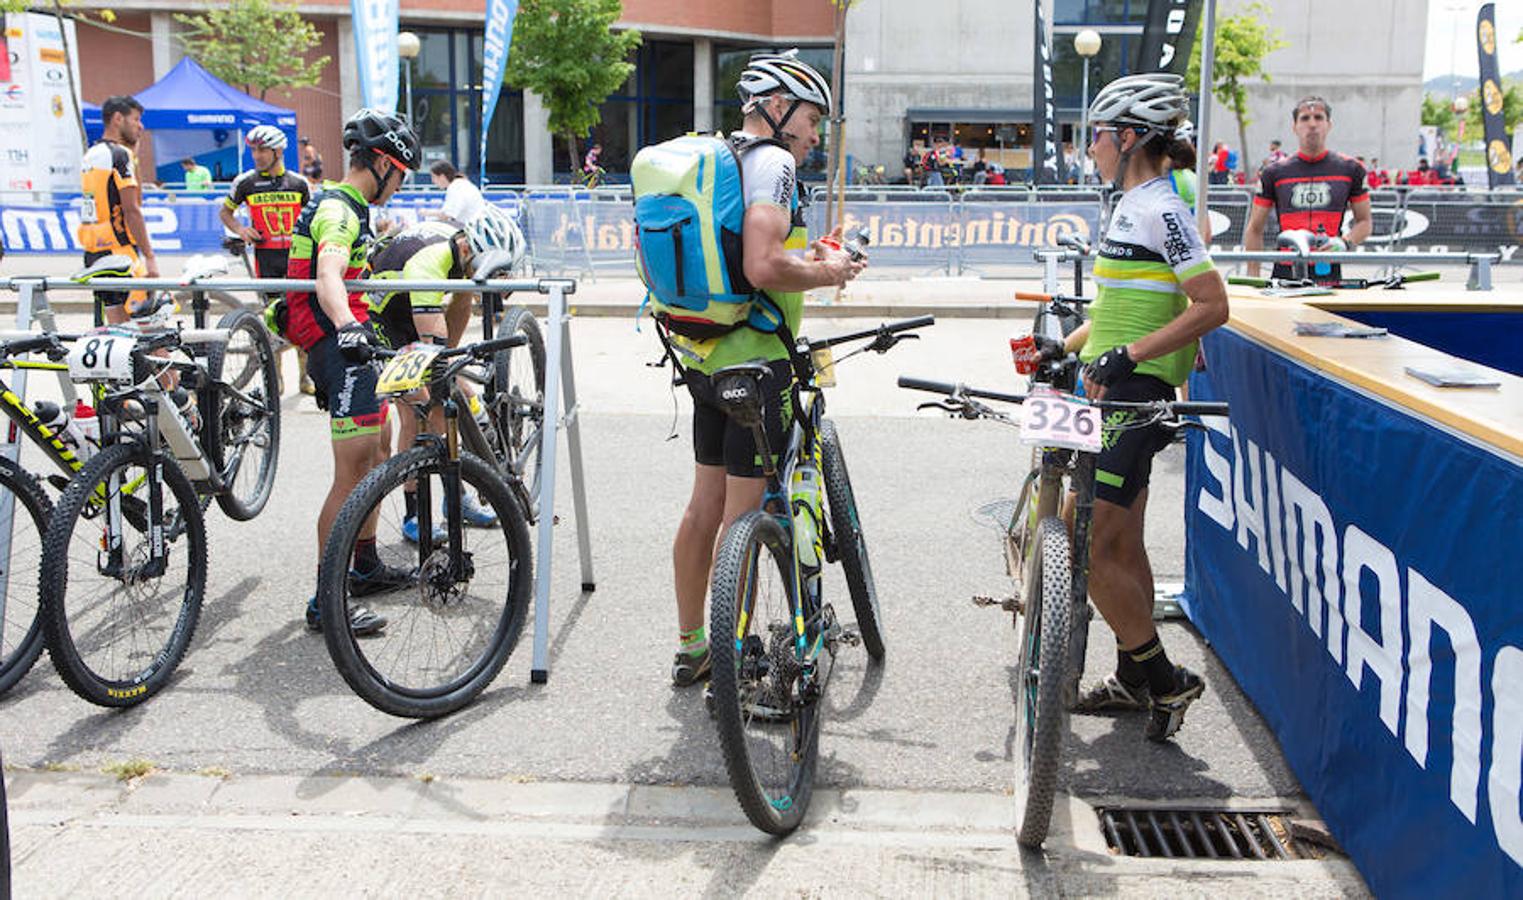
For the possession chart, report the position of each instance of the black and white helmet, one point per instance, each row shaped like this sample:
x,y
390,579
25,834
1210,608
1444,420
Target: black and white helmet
x,y
782,73
1155,100
1185,131
493,229
267,136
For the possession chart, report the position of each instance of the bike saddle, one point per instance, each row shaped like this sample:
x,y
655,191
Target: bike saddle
x,y
234,245
203,265
1074,242
738,388
155,310
1296,239
114,266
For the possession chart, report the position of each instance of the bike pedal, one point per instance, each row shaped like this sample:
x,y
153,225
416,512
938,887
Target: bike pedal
x,y
850,636
986,600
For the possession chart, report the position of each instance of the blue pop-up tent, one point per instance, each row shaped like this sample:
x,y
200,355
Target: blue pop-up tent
x,y
192,112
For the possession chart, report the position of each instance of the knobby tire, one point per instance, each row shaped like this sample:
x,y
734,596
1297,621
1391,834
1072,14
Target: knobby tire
x,y
1041,667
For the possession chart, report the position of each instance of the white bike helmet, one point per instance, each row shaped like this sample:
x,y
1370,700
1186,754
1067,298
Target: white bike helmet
x,y
492,230
1155,100
783,73
267,136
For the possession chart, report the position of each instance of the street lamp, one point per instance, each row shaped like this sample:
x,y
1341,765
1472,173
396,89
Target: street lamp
x,y
1086,44
408,47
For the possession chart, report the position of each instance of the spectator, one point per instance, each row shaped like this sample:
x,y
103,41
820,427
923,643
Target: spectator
x,y
1275,155
311,162
114,222
197,176
912,164
462,200
1218,174
996,174
981,168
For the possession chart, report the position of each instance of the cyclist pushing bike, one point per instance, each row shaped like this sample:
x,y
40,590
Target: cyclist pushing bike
x,y
1158,293
784,102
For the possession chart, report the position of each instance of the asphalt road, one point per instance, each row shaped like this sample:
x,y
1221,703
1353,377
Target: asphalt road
x,y
258,697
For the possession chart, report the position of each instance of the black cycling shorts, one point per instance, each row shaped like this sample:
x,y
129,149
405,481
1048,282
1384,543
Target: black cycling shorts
x,y
1126,457
346,390
717,441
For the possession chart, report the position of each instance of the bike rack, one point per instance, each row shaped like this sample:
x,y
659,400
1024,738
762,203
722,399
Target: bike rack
x,y
561,406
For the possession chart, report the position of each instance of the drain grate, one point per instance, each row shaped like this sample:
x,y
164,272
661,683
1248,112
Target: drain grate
x,y
1200,833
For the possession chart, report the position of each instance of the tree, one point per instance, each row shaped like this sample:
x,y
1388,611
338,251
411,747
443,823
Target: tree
x,y
567,52
1439,113
1512,109
1242,42
255,44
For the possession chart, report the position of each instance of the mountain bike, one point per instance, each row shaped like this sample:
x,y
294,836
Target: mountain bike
x,y
453,629
123,570
773,636
1050,567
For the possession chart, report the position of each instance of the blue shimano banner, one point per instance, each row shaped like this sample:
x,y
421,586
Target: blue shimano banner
x,y
494,61
375,46
186,224
1357,569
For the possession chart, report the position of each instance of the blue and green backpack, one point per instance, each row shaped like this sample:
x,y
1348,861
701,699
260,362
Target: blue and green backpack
x,y
689,209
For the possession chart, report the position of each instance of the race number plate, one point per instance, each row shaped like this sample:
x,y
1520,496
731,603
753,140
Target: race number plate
x,y
104,355
408,370
1058,420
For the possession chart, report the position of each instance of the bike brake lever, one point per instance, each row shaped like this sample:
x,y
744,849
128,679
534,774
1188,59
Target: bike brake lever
x,y
945,406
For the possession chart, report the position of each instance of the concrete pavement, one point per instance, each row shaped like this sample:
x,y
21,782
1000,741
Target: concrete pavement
x,y
606,780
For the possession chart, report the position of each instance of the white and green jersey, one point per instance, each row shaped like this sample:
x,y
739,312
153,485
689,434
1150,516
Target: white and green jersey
x,y
1150,248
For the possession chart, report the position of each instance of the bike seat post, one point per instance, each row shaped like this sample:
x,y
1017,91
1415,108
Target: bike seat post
x,y
199,306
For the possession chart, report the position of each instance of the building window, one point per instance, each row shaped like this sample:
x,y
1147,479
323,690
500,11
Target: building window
x,y
446,107
655,104
1099,12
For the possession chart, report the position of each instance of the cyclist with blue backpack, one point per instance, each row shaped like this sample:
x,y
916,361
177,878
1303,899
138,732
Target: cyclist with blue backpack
x,y
722,248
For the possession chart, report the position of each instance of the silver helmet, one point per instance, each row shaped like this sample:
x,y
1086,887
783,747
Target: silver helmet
x,y
1155,100
784,73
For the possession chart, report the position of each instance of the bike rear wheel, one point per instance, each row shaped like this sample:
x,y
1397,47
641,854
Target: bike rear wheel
x,y
449,633
1041,664
519,399
117,627
24,512
850,545
769,733
245,431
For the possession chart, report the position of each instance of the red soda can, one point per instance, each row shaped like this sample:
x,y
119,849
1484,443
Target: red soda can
x,y
1024,353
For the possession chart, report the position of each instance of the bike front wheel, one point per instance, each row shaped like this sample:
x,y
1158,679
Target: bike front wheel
x,y
768,729
518,399
452,629
851,546
242,433
24,512
119,617
1041,666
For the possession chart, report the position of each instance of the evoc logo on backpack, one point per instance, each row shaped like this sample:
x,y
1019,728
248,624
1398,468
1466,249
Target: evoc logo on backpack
x,y
689,210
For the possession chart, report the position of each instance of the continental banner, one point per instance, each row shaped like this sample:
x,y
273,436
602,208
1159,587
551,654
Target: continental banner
x,y
1355,566
1498,155
1168,36
575,230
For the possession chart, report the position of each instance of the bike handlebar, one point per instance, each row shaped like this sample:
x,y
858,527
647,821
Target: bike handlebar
x,y
1178,407
885,328
1048,298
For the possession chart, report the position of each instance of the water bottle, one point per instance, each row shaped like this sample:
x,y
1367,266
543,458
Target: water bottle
x,y
88,424
60,423
804,499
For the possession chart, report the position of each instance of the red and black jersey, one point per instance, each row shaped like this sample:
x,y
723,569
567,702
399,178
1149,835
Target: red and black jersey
x,y
275,200
1308,192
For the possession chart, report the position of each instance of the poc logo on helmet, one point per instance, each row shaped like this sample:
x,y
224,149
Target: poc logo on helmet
x,y
401,146
735,394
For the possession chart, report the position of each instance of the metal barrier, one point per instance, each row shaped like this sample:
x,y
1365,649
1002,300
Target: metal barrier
x,y
586,232
561,409
1480,264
